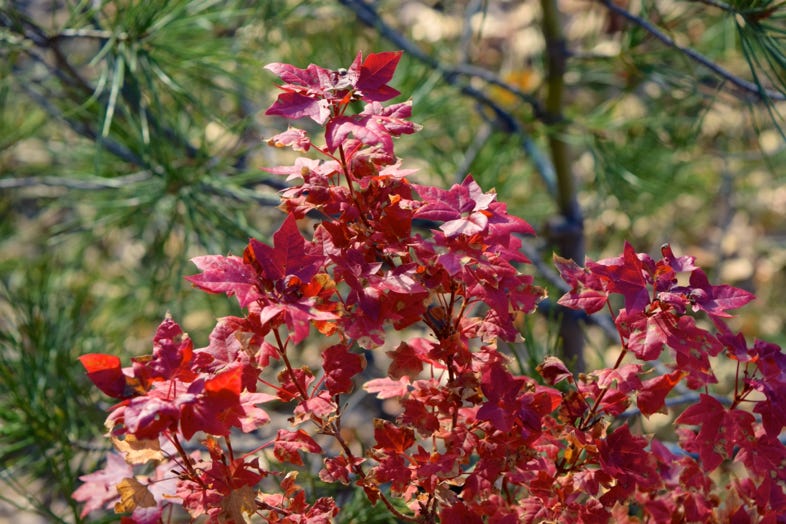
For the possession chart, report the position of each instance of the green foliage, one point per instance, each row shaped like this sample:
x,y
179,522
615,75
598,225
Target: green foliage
x,y
48,414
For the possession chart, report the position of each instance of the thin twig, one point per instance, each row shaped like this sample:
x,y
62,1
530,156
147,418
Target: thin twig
x,y
745,85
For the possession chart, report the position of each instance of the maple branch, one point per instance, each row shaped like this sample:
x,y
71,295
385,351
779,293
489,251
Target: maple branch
x,y
193,475
452,75
761,93
336,434
282,350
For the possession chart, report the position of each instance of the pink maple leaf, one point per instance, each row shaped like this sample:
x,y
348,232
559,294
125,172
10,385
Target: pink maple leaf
x,y
99,489
388,387
376,125
293,137
230,275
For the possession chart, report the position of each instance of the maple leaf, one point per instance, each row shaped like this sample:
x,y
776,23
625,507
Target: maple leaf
x,y
392,469
375,72
233,341
387,387
133,494
419,417
652,396
554,371
288,273
138,451
647,334
720,430
288,444
230,275
293,137
172,354
99,488
376,125
501,390
623,456
715,300
287,256
463,209
391,438
237,504
625,275
338,469
406,360
106,373
340,366
212,405
459,513
146,417
587,292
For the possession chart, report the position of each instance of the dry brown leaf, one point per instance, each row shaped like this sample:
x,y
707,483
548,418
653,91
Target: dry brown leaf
x,y
137,451
133,494
238,504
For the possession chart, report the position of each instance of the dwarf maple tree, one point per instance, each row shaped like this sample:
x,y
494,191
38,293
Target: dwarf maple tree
x,y
473,442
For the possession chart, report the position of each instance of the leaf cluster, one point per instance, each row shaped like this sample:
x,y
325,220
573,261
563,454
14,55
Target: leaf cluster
x,y
471,442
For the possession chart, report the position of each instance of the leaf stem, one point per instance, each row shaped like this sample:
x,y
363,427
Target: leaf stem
x,y
283,352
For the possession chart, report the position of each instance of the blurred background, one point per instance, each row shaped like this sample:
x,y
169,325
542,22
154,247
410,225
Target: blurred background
x,y
132,139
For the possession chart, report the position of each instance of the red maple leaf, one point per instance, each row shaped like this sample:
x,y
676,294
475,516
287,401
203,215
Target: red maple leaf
x,y
340,366
652,396
715,300
587,291
623,456
406,360
105,372
391,438
554,371
625,275
464,209
212,405
289,444
287,279
501,390
375,72
720,430
313,91
392,469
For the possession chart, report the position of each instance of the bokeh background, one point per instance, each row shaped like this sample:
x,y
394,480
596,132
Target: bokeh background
x,y
132,139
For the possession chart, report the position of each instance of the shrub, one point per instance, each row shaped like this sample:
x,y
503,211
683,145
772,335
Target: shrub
x,y
472,442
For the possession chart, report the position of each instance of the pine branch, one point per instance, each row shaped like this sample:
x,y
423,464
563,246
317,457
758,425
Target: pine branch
x,y
746,86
